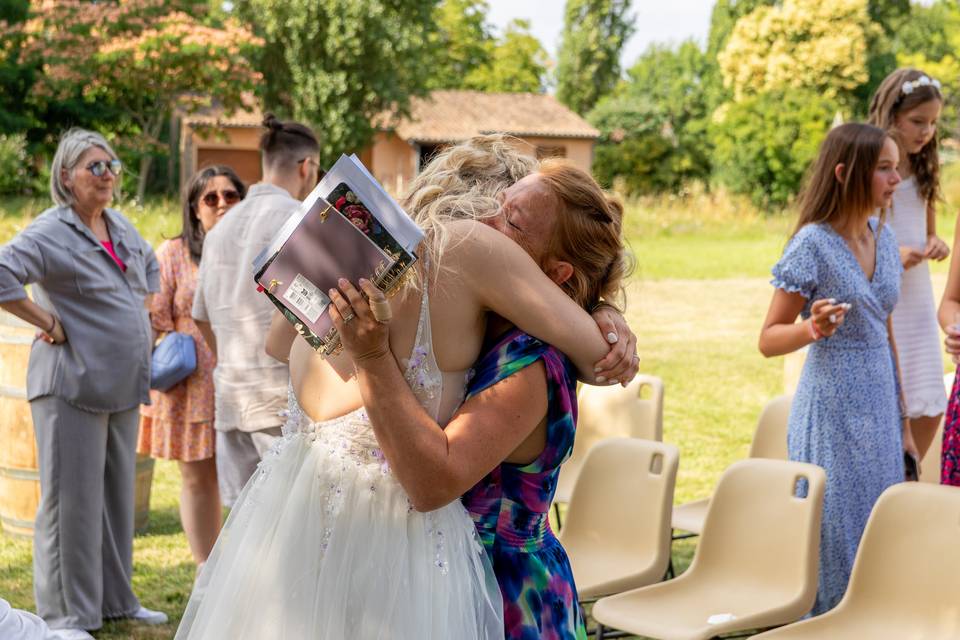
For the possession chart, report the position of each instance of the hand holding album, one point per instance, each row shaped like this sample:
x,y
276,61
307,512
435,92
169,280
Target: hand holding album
x,y
347,227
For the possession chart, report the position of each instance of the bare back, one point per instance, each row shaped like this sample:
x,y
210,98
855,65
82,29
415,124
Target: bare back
x,y
326,387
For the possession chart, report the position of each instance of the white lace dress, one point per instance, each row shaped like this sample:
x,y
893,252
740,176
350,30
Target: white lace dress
x,y
915,327
323,543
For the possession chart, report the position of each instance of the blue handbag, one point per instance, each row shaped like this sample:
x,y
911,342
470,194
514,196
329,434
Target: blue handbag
x,y
174,359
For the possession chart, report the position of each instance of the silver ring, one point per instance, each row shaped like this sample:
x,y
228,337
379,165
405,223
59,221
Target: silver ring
x,y
636,358
832,318
348,318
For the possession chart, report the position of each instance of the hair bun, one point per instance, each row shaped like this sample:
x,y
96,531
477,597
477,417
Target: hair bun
x,y
270,121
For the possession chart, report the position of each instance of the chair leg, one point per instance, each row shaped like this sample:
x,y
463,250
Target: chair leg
x,y
598,635
556,512
671,572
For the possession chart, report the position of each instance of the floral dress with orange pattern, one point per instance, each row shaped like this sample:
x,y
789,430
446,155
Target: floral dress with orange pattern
x,y
178,425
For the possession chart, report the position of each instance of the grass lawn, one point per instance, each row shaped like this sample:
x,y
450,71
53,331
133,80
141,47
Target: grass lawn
x,y
696,301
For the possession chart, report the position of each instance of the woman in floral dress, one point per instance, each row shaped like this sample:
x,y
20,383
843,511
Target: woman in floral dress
x,y
178,425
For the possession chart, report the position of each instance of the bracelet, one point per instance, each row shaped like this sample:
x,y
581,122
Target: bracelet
x,y
815,331
604,303
53,325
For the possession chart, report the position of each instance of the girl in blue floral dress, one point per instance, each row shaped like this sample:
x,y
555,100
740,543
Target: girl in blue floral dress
x,y
841,273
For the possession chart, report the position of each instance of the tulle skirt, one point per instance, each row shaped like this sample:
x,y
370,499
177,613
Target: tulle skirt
x,y
323,543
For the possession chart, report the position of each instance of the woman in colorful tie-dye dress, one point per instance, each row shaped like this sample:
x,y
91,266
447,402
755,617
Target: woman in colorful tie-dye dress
x,y
510,505
504,446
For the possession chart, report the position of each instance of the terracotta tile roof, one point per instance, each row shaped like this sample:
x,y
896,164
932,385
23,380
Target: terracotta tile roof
x,y
451,116
249,116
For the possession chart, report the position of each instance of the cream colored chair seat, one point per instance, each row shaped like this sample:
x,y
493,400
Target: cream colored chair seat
x,y
755,565
689,516
769,441
611,412
617,529
904,579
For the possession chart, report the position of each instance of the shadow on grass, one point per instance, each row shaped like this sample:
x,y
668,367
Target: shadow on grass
x,y
163,522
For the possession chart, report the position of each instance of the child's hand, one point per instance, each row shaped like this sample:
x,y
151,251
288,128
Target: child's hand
x,y
936,248
827,314
952,342
910,257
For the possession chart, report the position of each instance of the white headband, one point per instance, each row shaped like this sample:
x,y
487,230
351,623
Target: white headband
x,y
923,81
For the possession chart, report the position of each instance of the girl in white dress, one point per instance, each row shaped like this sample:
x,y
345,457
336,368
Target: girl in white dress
x,y
907,105
323,541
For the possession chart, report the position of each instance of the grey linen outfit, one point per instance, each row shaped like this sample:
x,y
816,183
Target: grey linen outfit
x,y
250,387
84,397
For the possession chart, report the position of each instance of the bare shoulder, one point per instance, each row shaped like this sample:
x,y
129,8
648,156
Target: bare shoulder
x,y
471,244
518,398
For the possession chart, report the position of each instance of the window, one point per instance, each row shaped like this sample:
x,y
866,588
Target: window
x,y
551,151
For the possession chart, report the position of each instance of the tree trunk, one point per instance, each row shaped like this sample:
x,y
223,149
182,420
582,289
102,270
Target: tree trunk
x,y
174,148
145,161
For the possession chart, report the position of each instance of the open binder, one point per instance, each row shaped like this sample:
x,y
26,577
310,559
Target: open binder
x,y
347,227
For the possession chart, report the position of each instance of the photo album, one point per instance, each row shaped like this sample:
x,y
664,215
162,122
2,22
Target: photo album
x,y
348,227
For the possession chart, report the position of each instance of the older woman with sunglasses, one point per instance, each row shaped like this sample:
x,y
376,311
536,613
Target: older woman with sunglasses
x,y
90,274
179,423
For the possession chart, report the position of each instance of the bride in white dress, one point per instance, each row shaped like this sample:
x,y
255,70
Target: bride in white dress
x,y
323,542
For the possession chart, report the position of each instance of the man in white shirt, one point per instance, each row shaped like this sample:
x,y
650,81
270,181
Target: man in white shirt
x,y
250,387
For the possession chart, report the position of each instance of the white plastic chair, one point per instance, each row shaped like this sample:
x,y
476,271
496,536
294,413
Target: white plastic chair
x,y
769,441
611,412
755,565
617,530
903,583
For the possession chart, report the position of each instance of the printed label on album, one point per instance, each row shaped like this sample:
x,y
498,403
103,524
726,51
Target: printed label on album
x,y
306,298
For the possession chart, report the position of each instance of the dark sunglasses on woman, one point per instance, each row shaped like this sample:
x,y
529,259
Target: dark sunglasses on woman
x,y
100,167
212,198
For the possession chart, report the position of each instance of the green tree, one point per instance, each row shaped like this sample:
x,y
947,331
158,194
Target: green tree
x,y
930,40
14,76
929,31
339,64
518,63
594,32
141,58
637,151
800,44
724,17
764,143
462,44
667,82
722,20
888,15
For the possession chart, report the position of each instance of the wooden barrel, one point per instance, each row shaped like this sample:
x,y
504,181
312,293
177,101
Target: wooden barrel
x,y
19,477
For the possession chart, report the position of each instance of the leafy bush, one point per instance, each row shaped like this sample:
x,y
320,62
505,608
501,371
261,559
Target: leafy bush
x,y
638,150
13,164
764,143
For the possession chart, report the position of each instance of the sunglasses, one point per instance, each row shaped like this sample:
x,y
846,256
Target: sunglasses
x,y
100,167
212,198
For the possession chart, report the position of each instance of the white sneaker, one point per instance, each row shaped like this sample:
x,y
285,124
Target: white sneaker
x,y
149,616
69,634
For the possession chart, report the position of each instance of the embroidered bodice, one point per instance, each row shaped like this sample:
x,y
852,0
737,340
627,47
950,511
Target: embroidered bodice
x,y
351,436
